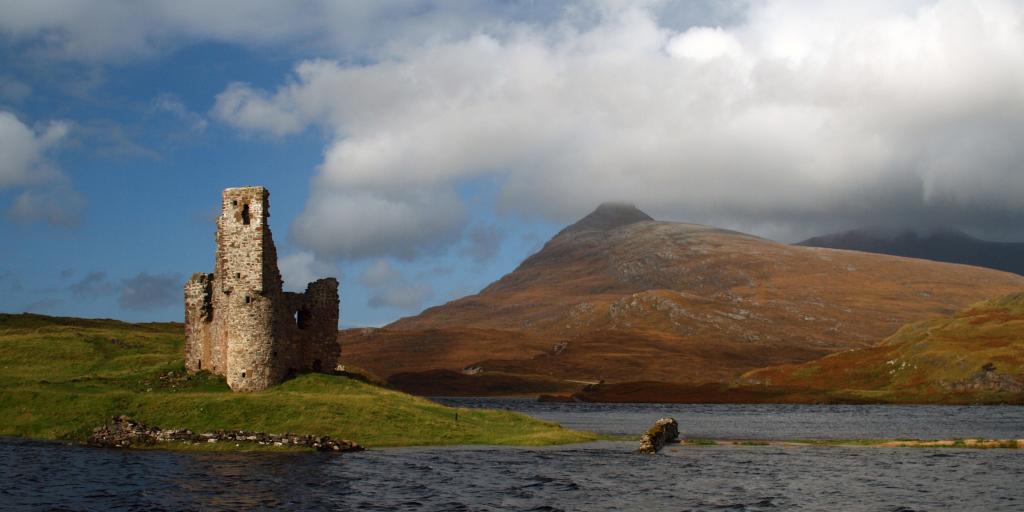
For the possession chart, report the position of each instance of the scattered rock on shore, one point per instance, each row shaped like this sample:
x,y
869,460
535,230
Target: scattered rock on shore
x,y
123,432
665,430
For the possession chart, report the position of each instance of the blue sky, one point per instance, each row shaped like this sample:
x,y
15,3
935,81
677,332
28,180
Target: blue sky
x,y
149,167
420,150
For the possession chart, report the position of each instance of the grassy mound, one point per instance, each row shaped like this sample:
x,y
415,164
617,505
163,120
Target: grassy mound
x,y
974,356
61,377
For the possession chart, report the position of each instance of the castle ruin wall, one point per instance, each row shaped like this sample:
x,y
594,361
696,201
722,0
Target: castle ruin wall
x,y
239,322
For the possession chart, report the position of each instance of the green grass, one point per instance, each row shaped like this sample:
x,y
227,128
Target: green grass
x,y
699,441
986,444
61,377
839,442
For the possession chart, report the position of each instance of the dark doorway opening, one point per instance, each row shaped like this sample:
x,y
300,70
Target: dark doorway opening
x,y
245,215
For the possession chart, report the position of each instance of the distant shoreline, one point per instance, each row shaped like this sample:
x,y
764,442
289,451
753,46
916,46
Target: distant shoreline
x,y
493,384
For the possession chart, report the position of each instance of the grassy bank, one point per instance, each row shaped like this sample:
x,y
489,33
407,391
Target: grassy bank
x,y
61,377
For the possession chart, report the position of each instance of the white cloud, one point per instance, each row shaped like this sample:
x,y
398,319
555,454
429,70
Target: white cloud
x,y
301,268
46,195
119,31
171,104
58,206
390,289
22,152
841,113
380,273
704,43
251,110
359,223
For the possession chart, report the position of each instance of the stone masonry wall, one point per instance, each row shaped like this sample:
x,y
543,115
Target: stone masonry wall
x,y
238,321
198,312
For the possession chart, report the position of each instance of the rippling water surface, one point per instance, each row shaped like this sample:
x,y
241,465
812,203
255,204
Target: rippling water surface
x,y
597,476
728,421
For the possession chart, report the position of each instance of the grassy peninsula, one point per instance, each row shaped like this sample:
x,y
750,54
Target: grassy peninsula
x,y
61,377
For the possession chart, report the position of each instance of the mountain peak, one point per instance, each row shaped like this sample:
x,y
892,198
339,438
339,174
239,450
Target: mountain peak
x,y
608,216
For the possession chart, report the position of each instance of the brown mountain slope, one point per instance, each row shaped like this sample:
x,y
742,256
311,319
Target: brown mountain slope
x,y
622,298
978,351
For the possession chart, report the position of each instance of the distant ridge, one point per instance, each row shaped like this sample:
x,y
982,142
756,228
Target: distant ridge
x,y
944,244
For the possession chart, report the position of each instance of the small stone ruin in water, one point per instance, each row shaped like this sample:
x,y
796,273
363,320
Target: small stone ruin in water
x,y
665,430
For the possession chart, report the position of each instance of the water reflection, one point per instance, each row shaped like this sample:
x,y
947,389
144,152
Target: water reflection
x,y
242,481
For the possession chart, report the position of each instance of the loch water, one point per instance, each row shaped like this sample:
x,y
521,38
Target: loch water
x,y
605,475
773,421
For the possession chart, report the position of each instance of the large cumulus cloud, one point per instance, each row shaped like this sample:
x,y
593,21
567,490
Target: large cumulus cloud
x,y
804,117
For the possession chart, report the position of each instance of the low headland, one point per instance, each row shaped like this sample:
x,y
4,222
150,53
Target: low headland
x,y
60,378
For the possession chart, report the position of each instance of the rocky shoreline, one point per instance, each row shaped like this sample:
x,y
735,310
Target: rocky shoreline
x,y
124,432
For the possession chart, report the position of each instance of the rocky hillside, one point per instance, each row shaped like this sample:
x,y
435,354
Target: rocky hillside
x,y
979,350
620,297
947,245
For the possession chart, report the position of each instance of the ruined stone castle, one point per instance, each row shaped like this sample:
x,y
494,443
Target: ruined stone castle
x,y
239,322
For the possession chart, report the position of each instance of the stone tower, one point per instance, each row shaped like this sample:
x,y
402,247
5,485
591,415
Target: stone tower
x,y
239,322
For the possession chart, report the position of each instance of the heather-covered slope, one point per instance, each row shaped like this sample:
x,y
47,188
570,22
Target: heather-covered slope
x,y
622,298
979,351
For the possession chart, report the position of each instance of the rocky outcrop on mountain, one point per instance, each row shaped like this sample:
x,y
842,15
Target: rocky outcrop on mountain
x,y
987,379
